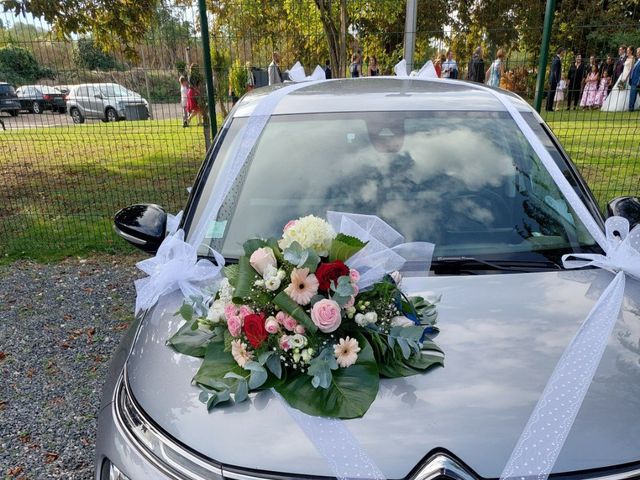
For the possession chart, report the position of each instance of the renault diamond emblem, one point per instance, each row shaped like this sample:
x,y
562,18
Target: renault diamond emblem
x,y
442,467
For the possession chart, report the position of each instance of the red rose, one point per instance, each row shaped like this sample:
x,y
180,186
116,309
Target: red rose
x,y
328,272
254,329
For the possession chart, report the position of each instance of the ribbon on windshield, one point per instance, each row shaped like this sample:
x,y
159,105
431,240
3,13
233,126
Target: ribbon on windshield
x,y
385,250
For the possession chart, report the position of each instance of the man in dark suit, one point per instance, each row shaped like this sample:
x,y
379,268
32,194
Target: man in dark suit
x,y
619,65
476,71
554,78
634,82
576,81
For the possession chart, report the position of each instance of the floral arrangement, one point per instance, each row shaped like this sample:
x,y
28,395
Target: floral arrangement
x,y
289,316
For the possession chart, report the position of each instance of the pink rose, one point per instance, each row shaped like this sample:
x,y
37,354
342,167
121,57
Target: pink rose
x,y
299,330
262,258
290,323
244,311
280,316
350,303
354,275
230,310
326,315
271,325
284,342
289,224
234,324
355,289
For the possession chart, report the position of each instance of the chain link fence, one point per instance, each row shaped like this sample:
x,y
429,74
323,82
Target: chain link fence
x,y
63,181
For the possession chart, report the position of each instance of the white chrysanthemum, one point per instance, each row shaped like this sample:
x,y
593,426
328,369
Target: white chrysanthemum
x,y
216,311
310,232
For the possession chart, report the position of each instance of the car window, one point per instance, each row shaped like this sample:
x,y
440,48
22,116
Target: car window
x,y
49,90
468,182
7,89
114,91
82,92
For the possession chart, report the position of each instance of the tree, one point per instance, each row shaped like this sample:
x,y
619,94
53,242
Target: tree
x,y
113,24
89,56
18,66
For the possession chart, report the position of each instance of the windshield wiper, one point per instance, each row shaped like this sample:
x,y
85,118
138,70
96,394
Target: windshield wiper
x,y
471,264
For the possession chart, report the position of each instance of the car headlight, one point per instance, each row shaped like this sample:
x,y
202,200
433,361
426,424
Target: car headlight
x,y
169,457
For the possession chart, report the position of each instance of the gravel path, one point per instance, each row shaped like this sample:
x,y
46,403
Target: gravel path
x,y
59,325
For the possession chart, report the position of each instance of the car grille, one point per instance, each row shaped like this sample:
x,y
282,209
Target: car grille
x,y
136,112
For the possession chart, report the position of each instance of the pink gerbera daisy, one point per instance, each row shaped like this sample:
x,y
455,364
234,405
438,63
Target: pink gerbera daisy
x,y
346,352
303,286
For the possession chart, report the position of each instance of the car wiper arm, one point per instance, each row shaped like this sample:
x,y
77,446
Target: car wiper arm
x,y
473,263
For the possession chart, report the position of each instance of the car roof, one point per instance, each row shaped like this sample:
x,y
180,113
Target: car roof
x,y
384,94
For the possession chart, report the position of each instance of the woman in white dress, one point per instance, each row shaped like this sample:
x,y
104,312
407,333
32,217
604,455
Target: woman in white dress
x,y
618,98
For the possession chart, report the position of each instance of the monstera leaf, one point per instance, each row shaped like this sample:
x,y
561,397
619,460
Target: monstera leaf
x,y
350,394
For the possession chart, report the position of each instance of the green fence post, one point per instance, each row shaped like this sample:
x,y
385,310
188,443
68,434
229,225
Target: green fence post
x,y
208,73
544,53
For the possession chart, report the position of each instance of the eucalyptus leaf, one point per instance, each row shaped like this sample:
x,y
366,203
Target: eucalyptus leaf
x,y
242,391
218,397
190,341
287,305
258,374
342,291
344,247
274,366
320,368
350,394
186,311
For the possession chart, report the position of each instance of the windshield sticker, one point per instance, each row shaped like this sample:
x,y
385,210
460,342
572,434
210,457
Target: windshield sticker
x,y
216,229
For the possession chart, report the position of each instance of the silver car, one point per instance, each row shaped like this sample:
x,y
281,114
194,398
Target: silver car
x,y
108,102
441,162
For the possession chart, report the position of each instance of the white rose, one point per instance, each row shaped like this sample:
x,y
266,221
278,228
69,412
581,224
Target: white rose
x,y
371,317
262,258
272,284
401,321
216,312
298,341
360,320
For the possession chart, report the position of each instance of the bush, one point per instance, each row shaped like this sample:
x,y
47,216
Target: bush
x,y
238,78
18,66
86,54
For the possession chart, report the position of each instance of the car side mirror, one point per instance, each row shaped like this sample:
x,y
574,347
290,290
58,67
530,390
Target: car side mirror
x,y
143,226
627,207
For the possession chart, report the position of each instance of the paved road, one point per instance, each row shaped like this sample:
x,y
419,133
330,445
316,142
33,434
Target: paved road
x,y
160,111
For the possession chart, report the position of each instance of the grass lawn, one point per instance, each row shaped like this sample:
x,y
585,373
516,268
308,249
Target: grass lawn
x,y
62,185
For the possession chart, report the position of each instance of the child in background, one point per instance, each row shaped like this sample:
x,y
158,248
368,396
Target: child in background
x,y
560,89
603,88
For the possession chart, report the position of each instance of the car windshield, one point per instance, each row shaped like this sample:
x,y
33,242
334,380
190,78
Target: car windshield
x,y
115,91
469,182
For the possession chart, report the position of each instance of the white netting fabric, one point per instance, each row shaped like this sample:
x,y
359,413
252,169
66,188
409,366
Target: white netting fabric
x,y
385,251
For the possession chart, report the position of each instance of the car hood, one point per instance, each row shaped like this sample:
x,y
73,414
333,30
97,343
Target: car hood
x,y
502,335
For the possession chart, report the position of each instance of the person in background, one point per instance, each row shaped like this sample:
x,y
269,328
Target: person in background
x,y
554,78
184,89
590,93
560,89
275,74
603,88
634,82
355,69
496,70
327,70
251,79
449,66
619,65
437,65
194,108
476,67
373,66
576,79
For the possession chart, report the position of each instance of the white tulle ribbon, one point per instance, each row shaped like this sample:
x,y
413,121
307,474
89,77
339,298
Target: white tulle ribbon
x,y
550,423
427,70
297,74
175,267
385,250
173,222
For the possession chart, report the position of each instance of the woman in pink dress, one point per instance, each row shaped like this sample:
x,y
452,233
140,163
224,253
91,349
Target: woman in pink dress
x,y
603,89
590,89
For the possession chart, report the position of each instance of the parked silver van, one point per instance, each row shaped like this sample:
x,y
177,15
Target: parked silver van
x,y
109,102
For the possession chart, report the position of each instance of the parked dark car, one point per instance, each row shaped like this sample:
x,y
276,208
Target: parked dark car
x,y
9,100
38,98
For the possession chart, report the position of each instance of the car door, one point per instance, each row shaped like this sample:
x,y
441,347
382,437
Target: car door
x,y
94,104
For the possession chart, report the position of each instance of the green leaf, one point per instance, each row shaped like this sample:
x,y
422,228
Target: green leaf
x,y
342,291
272,362
218,397
344,247
320,368
246,276
273,243
286,304
216,365
258,374
252,245
190,341
301,258
186,311
350,394
232,272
